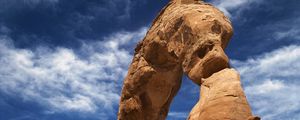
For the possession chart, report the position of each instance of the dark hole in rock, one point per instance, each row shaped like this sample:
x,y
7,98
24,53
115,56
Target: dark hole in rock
x,y
216,28
204,50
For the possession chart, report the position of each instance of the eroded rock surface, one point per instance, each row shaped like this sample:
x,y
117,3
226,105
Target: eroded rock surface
x,y
187,37
222,98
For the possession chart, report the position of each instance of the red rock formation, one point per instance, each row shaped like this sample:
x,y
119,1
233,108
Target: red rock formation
x,y
222,98
188,36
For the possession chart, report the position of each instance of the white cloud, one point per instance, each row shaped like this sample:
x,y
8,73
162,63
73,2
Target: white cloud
x,y
272,81
232,5
292,30
283,61
266,87
177,115
84,80
78,102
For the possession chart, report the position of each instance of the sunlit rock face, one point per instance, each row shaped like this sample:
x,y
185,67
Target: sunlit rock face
x,y
187,37
222,98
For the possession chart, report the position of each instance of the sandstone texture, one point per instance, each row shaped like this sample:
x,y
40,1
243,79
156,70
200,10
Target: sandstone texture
x,y
187,37
222,98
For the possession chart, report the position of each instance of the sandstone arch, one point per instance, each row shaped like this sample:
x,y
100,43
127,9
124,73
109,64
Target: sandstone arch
x,y
187,37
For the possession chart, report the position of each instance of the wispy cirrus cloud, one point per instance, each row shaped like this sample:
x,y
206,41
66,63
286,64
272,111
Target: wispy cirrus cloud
x,y
230,7
286,29
62,79
15,4
272,81
292,32
177,115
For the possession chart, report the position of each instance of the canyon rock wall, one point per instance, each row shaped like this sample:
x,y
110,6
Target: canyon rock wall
x,y
187,37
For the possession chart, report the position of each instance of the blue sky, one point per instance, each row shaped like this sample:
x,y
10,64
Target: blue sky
x,y
66,59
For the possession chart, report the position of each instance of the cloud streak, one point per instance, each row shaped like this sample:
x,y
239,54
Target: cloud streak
x,y
61,79
230,7
271,81
286,29
177,115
